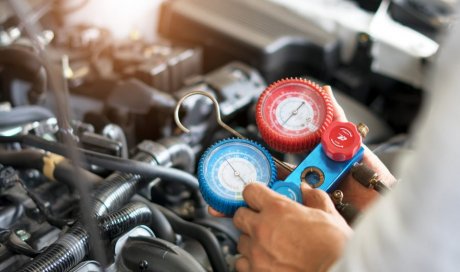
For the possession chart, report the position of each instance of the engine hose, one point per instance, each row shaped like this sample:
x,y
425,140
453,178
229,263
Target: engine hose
x,y
22,115
118,188
114,163
114,191
61,170
131,215
204,236
160,224
22,159
72,247
30,64
65,253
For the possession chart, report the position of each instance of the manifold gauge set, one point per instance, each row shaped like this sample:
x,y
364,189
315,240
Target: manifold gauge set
x,y
293,116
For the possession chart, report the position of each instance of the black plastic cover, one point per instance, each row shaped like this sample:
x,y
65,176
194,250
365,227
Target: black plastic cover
x,y
152,254
269,37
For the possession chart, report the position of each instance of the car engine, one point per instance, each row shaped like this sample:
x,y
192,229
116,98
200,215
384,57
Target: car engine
x,y
94,173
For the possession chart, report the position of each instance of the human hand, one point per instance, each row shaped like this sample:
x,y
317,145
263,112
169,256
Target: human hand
x,y
353,191
281,235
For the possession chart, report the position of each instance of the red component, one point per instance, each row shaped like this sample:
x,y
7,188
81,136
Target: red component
x,y
292,114
341,141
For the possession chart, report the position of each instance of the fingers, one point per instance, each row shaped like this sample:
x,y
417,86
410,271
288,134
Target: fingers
x,y
242,264
316,199
215,213
339,113
244,245
245,220
257,196
373,162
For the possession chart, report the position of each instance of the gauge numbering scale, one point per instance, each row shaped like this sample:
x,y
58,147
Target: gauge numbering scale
x,y
227,167
292,114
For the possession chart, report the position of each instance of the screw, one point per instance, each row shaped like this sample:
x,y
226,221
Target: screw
x,y
363,129
8,177
143,265
337,197
22,234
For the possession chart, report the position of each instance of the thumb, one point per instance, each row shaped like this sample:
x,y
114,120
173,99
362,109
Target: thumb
x,y
316,199
258,196
339,113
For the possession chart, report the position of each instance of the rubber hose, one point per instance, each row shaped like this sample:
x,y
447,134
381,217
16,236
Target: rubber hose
x,y
131,215
118,188
110,162
31,64
34,159
115,191
22,115
22,159
64,172
72,247
160,224
204,236
63,254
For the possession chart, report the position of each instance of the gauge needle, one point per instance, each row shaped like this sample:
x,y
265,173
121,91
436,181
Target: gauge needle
x,y
237,174
295,112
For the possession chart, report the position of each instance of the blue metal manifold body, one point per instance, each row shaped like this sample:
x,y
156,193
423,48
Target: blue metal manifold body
x,y
319,171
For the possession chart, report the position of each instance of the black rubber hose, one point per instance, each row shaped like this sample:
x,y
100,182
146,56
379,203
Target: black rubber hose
x,y
72,247
110,162
22,159
160,224
34,159
206,238
23,115
115,191
143,169
131,215
64,170
30,64
118,188
65,253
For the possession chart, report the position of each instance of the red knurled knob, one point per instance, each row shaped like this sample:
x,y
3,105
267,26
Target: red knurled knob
x,y
341,141
292,114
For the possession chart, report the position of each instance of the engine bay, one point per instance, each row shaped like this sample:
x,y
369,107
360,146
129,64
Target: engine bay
x,y
95,175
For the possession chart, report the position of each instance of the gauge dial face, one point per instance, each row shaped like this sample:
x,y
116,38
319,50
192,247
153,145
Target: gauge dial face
x,y
294,109
231,166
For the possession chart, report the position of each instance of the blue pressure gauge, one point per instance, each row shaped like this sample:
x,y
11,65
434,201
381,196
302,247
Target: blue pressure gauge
x,y
227,167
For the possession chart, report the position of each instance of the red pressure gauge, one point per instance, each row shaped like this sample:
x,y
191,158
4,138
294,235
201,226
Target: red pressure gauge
x,y
292,114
